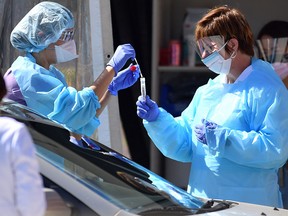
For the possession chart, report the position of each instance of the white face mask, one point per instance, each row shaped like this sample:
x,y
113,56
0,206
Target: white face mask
x,y
216,63
66,52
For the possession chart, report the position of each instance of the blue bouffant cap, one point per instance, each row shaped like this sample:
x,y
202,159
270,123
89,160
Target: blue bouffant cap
x,y
41,26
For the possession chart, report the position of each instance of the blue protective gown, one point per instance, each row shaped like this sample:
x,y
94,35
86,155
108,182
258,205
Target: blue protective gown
x,y
244,153
47,92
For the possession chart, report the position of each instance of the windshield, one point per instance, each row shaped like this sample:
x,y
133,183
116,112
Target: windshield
x,y
113,176
116,178
108,173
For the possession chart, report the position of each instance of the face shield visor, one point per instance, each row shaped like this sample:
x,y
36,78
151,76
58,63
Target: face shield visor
x,y
212,53
273,50
207,45
67,35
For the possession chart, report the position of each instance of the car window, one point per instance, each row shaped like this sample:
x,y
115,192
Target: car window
x,y
110,174
104,171
24,112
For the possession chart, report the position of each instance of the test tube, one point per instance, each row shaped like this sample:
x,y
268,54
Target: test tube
x,y
143,88
142,83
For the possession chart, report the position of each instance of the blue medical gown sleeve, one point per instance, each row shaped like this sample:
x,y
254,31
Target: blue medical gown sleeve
x,y
171,136
47,92
76,110
266,145
252,122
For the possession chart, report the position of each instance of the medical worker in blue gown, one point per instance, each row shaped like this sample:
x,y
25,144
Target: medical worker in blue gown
x,y
45,34
234,132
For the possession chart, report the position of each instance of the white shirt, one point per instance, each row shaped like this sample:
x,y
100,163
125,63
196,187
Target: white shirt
x,y
21,186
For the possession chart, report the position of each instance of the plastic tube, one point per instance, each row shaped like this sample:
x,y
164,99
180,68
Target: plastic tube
x,y
143,88
142,82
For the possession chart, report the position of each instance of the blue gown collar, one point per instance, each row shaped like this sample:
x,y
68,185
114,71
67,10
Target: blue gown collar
x,y
30,57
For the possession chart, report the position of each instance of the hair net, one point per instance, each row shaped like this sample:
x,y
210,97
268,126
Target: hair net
x,y
41,26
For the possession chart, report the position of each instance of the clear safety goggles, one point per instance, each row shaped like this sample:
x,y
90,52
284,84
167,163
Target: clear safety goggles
x,y
67,35
273,49
207,45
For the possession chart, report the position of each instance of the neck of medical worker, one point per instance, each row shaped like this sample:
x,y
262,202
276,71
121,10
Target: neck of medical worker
x,y
239,64
285,81
41,59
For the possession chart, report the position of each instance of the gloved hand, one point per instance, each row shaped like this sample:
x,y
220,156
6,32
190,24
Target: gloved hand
x,y
124,79
147,109
200,130
122,54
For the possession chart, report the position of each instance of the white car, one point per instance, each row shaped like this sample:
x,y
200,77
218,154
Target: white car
x,y
96,180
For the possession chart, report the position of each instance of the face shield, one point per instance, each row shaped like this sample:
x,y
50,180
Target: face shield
x,y
67,35
211,51
207,45
273,50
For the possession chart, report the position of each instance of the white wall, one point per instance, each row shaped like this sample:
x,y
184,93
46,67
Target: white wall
x,y
109,131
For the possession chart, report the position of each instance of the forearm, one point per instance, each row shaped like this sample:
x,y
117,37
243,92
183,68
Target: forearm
x,y
102,82
170,136
103,101
241,147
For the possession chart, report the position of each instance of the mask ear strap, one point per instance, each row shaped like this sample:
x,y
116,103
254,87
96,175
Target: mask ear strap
x,y
222,46
234,54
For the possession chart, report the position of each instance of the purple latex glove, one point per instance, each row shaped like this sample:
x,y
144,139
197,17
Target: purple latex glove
x,y
200,130
148,109
124,79
122,54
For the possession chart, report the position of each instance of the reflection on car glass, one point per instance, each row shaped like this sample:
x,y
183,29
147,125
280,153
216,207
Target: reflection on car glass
x,y
99,171
25,112
20,111
138,183
100,181
115,162
90,143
